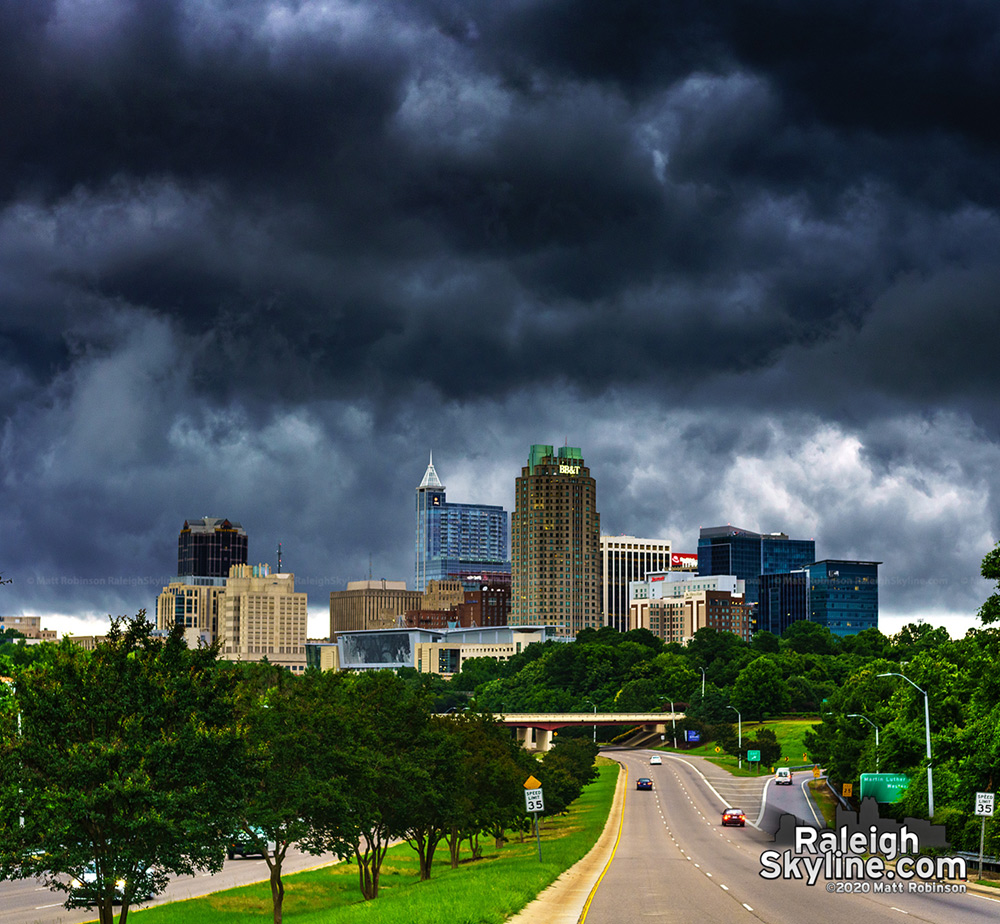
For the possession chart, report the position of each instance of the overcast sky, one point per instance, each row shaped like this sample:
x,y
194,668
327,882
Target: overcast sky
x,y
258,259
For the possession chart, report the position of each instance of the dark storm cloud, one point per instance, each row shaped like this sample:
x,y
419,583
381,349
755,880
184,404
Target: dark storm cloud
x,y
258,258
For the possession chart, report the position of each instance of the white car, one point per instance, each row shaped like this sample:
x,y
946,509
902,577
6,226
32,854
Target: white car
x,y
656,759
783,777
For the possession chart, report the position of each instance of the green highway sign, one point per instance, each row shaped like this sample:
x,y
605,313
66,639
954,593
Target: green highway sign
x,y
753,756
884,787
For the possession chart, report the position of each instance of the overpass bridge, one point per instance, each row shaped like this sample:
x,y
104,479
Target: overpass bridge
x,y
534,729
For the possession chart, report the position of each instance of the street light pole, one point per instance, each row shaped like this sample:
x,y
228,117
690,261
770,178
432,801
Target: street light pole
x,y
927,729
702,682
739,717
858,715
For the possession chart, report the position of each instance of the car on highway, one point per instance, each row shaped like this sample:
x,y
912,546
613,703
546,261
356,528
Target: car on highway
x,y
656,759
734,816
243,844
783,776
84,892
644,782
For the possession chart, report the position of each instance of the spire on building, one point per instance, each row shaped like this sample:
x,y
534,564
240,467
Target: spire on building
x,y
431,479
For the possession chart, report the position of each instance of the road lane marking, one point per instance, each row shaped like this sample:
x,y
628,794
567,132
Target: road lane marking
x,y
900,910
721,886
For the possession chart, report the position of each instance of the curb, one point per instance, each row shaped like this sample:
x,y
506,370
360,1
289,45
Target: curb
x,y
564,900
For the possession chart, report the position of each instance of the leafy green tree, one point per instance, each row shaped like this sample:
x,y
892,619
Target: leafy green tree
x,y
299,778
384,717
989,612
126,761
765,642
807,637
766,742
565,770
759,690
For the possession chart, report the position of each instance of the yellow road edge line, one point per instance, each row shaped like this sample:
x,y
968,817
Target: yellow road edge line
x,y
607,866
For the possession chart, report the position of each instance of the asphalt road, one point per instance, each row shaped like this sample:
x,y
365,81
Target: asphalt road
x,y
676,863
29,901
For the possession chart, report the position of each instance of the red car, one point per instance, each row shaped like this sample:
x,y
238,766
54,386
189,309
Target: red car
x,y
644,782
734,816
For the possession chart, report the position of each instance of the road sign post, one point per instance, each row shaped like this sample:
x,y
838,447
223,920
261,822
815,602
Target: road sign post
x,y
984,808
533,804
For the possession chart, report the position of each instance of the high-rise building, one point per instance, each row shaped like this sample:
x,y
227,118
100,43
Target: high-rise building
x,y
209,547
843,595
625,559
370,605
784,599
748,555
252,613
263,617
456,541
556,544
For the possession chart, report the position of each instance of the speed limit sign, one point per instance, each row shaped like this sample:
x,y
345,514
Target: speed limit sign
x,y
533,800
984,804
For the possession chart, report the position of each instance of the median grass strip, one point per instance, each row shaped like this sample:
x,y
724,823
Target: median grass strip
x,y
789,732
487,891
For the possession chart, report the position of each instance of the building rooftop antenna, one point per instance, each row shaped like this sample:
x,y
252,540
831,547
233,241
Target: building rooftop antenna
x,y
279,556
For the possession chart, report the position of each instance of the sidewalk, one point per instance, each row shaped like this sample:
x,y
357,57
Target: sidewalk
x,y
563,901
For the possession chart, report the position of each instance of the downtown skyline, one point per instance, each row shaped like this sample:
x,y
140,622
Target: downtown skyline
x,y
257,260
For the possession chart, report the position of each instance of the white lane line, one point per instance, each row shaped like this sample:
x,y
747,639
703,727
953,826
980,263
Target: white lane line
x,y
55,905
721,886
900,910
748,908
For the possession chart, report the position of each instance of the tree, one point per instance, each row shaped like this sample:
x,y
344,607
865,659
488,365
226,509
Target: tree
x,y
384,716
125,763
759,690
298,792
989,612
807,637
565,770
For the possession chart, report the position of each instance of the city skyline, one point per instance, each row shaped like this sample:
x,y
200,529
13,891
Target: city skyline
x,y
257,260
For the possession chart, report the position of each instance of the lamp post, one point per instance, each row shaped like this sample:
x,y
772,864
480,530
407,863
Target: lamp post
x,y
858,715
673,718
702,682
739,718
927,729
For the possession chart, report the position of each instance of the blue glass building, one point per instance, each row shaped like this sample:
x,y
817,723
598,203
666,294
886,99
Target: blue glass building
x,y
843,595
784,599
457,540
748,555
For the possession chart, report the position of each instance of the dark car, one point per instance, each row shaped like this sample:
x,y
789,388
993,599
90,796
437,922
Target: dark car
x,y
644,782
243,844
734,816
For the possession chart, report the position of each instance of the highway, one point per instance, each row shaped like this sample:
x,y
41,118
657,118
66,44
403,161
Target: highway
x,y
676,863
29,901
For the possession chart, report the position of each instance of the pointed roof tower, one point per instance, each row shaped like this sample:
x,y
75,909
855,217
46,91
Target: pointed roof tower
x,y
431,479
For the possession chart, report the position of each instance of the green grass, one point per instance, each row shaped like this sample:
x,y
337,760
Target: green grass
x,y
487,891
790,734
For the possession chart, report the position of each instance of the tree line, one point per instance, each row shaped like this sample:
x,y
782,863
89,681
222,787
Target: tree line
x,y
143,758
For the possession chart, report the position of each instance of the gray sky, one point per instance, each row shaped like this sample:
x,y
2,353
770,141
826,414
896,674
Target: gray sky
x,y
257,259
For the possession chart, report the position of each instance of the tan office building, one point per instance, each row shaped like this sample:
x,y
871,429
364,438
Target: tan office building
x,y
253,614
555,548
371,605
261,616
677,618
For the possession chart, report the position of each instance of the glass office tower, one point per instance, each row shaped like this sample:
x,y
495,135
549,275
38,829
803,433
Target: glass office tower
x,y
843,595
461,541
748,555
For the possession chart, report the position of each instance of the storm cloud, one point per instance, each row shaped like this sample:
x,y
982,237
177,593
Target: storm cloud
x,y
257,259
